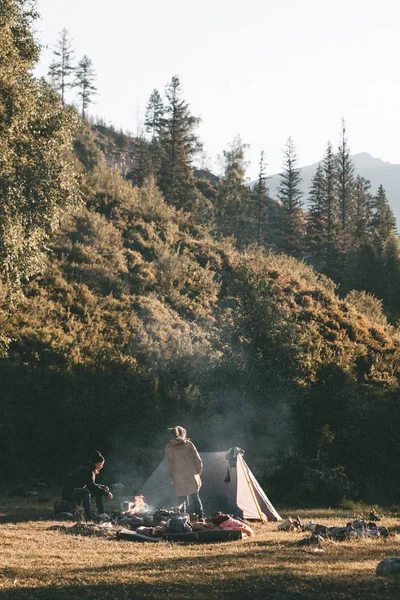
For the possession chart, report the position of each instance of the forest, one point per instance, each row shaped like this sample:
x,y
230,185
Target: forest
x,y
166,294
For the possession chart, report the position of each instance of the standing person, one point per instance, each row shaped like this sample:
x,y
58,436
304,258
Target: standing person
x,y
184,465
81,484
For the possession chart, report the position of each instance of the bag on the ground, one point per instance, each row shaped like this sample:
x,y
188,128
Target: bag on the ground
x,y
178,525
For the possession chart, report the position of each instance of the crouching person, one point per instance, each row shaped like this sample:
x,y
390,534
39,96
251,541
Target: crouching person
x,y
80,485
184,465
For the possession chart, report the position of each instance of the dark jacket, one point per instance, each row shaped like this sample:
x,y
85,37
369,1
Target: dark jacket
x,y
83,477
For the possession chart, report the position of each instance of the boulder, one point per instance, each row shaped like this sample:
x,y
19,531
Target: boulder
x,y
389,566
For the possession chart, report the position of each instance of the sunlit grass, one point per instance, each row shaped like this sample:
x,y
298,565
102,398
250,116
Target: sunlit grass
x,y
38,560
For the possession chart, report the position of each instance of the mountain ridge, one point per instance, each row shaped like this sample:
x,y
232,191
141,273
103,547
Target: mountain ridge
x,y
377,171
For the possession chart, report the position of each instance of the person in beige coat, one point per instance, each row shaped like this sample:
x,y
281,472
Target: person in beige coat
x,y
184,465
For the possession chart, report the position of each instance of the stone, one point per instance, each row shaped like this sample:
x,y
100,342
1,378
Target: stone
x,y
388,566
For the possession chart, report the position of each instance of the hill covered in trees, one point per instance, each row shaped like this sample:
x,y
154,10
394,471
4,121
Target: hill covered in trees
x,y
130,303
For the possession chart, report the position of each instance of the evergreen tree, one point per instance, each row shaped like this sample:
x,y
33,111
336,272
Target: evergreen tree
x,y
233,203
179,143
154,114
345,191
317,217
391,291
260,195
383,221
362,210
144,168
289,193
331,211
62,68
36,178
364,268
84,81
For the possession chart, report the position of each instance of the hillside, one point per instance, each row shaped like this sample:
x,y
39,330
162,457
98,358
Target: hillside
x,y
142,320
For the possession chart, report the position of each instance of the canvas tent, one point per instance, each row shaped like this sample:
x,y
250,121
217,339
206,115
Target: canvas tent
x,y
228,486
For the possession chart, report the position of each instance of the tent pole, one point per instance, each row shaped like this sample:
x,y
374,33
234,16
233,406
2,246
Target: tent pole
x,y
246,474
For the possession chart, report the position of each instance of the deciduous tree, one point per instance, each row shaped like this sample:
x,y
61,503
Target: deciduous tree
x,y
37,178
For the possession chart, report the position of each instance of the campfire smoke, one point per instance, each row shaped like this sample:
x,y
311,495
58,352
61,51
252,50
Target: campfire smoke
x,y
137,507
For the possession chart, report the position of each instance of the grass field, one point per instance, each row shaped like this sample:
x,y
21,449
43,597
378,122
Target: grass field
x,y
39,560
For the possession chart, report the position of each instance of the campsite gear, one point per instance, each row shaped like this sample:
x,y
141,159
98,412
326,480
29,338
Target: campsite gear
x,y
219,518
162,515
184,465
178,525
247,476
235,524
217,535
232,496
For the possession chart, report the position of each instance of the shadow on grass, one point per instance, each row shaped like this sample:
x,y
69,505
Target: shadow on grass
x,y
233,588
21,514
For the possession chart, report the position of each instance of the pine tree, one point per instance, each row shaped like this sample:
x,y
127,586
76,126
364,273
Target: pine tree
x,y
154,114
143,169
61,69
362,211
260,195
84,81
36,179
289,193
317,217
391,292
345,191
233,204
383,221
179,143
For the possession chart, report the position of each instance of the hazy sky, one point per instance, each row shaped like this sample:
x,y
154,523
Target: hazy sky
x,y
264,69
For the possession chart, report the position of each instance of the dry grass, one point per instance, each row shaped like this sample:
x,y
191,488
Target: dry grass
x,y
40,562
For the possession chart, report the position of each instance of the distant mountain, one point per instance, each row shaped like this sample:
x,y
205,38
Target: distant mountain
x,y
376,170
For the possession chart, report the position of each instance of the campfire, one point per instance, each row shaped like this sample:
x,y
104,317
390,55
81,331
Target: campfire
x,y
137,507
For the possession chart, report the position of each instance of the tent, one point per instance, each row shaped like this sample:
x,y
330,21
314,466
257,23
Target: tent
x,y
228,486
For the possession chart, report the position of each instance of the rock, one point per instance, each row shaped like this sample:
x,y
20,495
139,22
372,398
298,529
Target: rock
x,y
389,566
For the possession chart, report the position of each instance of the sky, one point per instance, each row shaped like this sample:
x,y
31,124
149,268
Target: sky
x,y
261,69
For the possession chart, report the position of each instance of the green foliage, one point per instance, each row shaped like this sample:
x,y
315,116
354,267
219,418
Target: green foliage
x,y
61,69
137,318
233,207
37,175
178,145
84,80
86,147
289,194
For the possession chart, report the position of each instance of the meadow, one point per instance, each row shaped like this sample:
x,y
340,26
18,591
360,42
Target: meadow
x,y
39,560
